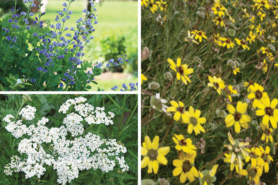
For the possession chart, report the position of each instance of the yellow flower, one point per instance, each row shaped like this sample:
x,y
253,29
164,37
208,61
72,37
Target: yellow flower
x,y
236,70
216,83
199,35
194,121
185,170
260,30
242,43
253,174
178,108
266,158
248,84
268,111
230,91
236,147
267,133
276,65
265,67
152,5
190,38
143,78
261,15
218,9
162,5
184,144
219,20
181,70
261,3
237,117
257,94
227,42
254,154
234,164
144,3
251,38
153,156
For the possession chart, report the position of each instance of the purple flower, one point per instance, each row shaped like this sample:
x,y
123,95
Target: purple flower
x,y
10,20
68,35
35,34
27,27
68,17
65,9
40,68
61,85
66,28
35,22
33,80
31,14
45,70
9,38
33,5
63,20
70,12
65,4
58,26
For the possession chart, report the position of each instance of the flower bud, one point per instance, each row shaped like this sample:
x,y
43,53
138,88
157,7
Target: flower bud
x,y
232,32
153,85
168,76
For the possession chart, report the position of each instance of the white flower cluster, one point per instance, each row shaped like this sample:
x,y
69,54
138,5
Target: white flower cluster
x,y
92,115
51,147
28,112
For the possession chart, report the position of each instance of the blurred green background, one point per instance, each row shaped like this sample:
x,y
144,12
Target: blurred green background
x,y
116,34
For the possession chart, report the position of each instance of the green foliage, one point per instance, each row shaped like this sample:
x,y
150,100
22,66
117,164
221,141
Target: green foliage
x,y
124,130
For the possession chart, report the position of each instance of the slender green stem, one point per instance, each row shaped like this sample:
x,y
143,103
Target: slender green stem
x,y
114,101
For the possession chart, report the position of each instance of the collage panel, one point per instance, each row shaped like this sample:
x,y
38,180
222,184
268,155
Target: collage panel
x,y
209,92
69,139
68,45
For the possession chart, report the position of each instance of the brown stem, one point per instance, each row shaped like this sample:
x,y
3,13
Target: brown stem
x,y
151,112
269,70
168,86
214,160
204,98
167,131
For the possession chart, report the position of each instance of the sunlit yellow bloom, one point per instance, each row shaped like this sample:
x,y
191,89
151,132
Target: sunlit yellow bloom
x,y
269,112
237,117
153,156
227,42
266,158
266,51
143,78
194,121
219,20
185,170
151,5
266,133
236,70
260,30
187,156
190,38
276,65
181,70
254,154
234,164
261,15
245,12
253,174
242,43
251,38
251,27
230,91
144,3
218,9
248,84
178,109
199,35
235,148
162,5
257,94
184,144
261,3
265,67
216,83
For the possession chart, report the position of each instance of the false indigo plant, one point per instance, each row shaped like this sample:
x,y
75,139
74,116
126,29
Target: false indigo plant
x,y
40,58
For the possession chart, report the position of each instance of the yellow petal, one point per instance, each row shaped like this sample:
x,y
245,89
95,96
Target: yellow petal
x,y
182,177
190,128
177,116
178,76
155,142
177,163
266,119
231,109
148,142
144,151
155,166
241,107
273,122
178,62
177,171
145,161
274,103
237,127
162,160
260,112
163,150
201,120
231,139
174,103
172,63
197,113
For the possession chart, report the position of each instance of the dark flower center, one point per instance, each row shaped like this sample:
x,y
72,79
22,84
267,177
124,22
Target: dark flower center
x,y
228,41
267,132
237,116
193,120
243,42
216,85
200,33
269,111
186,166
180,70
151,5
152,154
182,142
218,9
180,109
252,173
252,155
258,94
219,19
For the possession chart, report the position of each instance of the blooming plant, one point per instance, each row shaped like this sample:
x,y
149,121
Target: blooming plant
x,y
213,65
68,149
42,56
